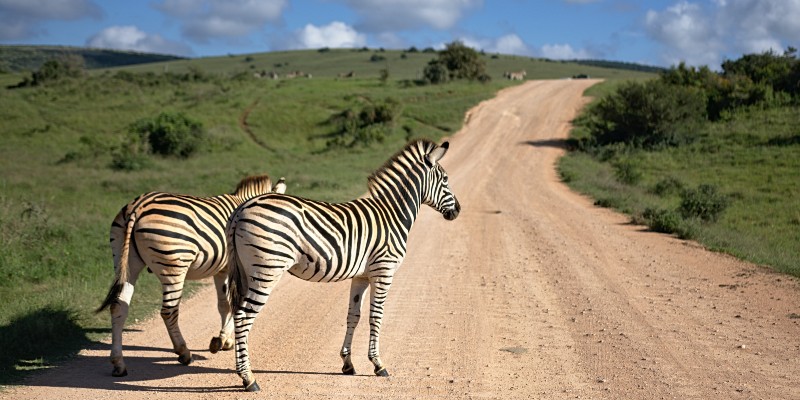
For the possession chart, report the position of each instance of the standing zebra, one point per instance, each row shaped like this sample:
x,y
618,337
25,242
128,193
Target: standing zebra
x,y
176,237
363,240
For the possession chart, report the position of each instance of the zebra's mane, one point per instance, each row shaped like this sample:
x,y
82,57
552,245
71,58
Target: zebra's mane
x,y
253,184
415,149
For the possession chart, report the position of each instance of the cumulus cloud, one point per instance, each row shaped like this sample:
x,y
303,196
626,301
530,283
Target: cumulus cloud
x,y
336,34
206,20
705,34
563,52
131,38
397,15
507,44
20,19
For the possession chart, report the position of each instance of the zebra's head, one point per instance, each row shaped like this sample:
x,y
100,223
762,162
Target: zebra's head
x,y
438,194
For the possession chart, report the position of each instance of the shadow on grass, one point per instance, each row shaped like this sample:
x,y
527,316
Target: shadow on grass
x,y
38,340
556,143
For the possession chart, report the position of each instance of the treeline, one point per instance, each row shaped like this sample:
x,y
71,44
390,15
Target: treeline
x,y
668,110
29,58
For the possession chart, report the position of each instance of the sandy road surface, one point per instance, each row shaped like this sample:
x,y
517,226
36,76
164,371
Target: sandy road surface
x,y
531,293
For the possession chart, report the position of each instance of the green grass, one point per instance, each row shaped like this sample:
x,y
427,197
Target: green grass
x,y
751,158
58,195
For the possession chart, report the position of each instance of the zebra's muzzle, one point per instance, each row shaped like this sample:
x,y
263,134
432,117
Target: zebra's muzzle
x,y
452,213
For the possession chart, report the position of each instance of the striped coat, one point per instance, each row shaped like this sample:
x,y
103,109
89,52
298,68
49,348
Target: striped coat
x,y
363,240
177,237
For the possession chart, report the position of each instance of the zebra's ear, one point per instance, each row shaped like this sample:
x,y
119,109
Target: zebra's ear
x,y
280,187
436,154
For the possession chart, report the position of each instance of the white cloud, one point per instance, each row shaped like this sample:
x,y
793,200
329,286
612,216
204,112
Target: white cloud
x,y
394,15
687,33
705,34
205,20
20,19
507,44
336,35
131,38
563,52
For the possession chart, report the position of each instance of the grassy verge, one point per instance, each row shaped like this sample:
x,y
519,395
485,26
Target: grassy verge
x,y
748,159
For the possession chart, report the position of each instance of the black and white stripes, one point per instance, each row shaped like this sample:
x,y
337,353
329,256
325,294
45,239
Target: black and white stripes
x,y
363,240
176,237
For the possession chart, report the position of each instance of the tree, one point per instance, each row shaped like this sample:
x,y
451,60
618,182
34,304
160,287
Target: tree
x,y
462,62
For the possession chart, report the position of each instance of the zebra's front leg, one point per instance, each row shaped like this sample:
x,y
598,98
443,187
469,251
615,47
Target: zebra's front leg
x,y
357,288
225,339
170,310
379,289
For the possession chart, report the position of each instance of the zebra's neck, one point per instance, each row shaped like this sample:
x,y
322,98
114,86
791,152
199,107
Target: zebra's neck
x,y
398,190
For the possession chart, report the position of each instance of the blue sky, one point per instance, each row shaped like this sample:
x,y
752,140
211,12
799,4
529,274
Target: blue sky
x,y
658,32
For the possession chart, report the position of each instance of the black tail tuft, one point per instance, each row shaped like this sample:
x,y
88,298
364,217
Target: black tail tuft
x,y
111,297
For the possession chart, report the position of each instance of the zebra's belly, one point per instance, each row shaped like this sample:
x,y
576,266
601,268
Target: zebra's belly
x,y
325,271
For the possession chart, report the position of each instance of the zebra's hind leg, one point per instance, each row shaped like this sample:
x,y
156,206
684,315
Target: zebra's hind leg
x,y
357,288
225,339
170,310
247,310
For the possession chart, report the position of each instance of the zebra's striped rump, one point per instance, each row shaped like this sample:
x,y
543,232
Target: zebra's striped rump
x,y
177,237
363,240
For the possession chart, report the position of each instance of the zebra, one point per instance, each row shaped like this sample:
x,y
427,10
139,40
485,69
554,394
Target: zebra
x,y
177,237
363,240
515,76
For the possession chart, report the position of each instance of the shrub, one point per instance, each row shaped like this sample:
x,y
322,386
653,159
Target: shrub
x,y
661,220
435,73
667,186
646,115
627,172
705,203
462,62
362,128
170,134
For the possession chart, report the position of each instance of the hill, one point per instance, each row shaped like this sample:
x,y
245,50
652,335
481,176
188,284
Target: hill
x,y
28,58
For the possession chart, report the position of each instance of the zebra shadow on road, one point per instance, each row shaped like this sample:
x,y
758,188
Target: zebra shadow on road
x,y
94,372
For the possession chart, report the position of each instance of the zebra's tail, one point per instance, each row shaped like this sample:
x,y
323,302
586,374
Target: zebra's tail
x,y
237,281
122,268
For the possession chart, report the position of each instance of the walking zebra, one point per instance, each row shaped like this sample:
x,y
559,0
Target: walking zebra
x,y
176,237
515,76
363,240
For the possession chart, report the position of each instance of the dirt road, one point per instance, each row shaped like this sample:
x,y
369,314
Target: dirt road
x,y
531,293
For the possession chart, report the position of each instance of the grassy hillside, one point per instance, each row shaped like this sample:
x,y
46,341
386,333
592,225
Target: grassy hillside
x,y
400,64
29,58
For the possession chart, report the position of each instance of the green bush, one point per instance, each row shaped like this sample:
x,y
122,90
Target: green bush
x,y
435,73
705,203
170,134
662,220
667,186
646,115
627,172
369,125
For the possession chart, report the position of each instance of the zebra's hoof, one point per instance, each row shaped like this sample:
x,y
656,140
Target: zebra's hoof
x,y
119,372
228,344
185,359
349,370
253,387
381,372
215,345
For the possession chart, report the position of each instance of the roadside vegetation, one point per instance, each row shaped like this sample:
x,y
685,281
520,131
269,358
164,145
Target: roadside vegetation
x,y
704,155
80,143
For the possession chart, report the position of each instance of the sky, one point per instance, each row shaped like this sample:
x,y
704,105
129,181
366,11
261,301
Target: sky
x,y
657,32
